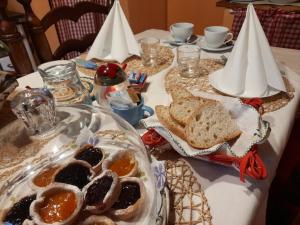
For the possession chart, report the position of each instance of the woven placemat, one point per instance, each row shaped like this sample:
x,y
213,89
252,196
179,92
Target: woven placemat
x,y
188,204
201,83
18,150
207,66
134,63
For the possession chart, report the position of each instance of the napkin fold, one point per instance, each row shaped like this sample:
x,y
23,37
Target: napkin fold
x,y
115,41
251,70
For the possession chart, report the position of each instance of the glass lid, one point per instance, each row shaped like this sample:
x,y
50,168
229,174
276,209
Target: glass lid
x,y
39,174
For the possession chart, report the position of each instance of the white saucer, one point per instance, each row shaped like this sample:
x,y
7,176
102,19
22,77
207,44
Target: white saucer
x,y
220,49
213,82
178,43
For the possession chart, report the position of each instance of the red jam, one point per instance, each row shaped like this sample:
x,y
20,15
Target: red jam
x,y
58,207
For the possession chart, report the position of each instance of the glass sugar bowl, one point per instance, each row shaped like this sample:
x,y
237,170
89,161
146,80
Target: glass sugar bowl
x,y
109,78
62,79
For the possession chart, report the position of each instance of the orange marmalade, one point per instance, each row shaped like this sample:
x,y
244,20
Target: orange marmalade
x,y
45,178
123,165
58,207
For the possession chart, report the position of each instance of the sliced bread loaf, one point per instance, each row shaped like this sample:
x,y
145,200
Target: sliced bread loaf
x,y
178,92
182,109
211,125
166,120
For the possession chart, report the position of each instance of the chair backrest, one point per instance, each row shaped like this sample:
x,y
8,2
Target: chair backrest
x,y
38,27
14,40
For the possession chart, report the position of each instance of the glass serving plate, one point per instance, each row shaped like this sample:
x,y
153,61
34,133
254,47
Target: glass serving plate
x,y
79,124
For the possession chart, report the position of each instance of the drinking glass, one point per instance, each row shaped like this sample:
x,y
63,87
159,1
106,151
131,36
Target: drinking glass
x,y
188,58
149,51
62,79
36,108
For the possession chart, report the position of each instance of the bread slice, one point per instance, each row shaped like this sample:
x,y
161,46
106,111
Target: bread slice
x,y
166,120
182,109
178,92
211,125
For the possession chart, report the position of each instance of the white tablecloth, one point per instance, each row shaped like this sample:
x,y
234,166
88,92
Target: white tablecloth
x,y
232,202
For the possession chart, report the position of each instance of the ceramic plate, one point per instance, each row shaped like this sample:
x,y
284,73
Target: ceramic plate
x,y
213,82
221,49
177,43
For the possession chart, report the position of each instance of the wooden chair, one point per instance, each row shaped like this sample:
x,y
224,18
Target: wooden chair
x,y
14,40
38,27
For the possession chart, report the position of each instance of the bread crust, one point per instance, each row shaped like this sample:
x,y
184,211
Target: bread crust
x,y
173,126
178,92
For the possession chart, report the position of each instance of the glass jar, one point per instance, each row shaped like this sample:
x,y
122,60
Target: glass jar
x,y
109,78
62,79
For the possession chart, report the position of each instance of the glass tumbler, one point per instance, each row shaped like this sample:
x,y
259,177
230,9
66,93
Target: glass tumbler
x,y
36,108
188,58
62,79
149,51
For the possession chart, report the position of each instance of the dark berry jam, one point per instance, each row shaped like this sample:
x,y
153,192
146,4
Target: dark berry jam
x,y
20,211
129,195
90,154
74,174
98,190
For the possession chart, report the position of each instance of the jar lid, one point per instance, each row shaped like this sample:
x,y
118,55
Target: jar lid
x,y
109,74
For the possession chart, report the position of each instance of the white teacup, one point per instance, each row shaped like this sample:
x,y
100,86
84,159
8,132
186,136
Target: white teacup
x,y
181,31
216,36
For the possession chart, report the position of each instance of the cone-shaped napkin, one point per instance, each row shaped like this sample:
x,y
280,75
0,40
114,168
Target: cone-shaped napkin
x,y
251,70
115,40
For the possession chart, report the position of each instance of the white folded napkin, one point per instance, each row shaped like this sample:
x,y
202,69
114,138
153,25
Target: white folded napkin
x,y
251,70
33,80
115,40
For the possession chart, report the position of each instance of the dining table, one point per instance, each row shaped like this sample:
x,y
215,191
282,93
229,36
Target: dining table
x,y
230,200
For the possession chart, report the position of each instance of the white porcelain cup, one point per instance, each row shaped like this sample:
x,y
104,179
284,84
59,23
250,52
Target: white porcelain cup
x,y
216,36
181,31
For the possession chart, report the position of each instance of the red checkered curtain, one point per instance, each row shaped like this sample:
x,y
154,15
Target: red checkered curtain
x,y
287,31
88,23
281,28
